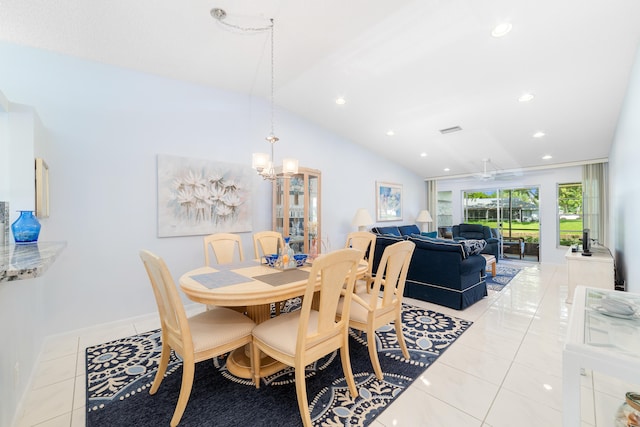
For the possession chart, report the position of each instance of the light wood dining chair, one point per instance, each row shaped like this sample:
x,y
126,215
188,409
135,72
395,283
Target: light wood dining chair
x,y
197,338
267,242
225,247
303,336
366,242
371,310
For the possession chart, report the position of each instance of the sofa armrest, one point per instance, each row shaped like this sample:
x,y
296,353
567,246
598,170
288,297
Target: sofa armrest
x,y
492,240
472,264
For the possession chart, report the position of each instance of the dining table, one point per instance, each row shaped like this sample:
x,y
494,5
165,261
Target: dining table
x,y
254,286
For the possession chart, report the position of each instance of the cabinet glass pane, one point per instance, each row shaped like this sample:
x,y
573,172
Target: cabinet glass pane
x,y
278,205
312,213
296,205
296,213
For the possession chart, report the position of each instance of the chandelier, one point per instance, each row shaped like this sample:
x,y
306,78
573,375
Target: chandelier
x,y
263,163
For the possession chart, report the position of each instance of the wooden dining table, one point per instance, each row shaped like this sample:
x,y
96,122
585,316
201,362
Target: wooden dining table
x,y
254,285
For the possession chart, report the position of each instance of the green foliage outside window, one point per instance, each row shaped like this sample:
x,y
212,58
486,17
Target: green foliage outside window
x,y
570,214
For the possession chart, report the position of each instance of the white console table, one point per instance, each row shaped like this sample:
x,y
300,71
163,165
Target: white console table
x,y
598,342
596,271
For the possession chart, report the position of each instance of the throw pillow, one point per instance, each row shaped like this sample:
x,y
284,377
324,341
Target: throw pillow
x,y
473,247
432,234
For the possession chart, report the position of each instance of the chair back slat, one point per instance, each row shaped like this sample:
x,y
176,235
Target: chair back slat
x,y
365,242
226,247
392,271
267,242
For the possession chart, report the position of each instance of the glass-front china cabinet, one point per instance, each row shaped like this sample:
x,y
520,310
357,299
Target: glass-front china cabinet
x,y
296,209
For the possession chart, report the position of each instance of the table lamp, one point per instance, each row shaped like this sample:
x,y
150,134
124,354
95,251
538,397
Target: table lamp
x,y
362,219
423,217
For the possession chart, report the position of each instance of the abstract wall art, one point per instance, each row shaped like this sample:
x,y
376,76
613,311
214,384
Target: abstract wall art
x,y
199,197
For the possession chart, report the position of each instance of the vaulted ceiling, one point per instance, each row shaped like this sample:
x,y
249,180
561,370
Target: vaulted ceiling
x,y
410,67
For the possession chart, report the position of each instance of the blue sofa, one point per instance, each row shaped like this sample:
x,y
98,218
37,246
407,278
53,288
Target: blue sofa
x,y
478,232
440,271
403,230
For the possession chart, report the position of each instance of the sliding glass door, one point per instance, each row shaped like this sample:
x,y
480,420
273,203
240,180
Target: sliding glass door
x,y
515,211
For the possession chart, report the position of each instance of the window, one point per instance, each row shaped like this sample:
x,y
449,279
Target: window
x,y
514,210
569,214
445,208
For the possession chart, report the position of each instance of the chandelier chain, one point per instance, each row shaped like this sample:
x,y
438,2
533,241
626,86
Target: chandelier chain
x,y
266,169
272,74
220,15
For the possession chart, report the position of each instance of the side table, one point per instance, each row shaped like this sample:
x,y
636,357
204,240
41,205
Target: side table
x,y
598,340
491,262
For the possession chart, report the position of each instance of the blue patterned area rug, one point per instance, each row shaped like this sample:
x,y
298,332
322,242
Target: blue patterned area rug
x,y
504,273
120,373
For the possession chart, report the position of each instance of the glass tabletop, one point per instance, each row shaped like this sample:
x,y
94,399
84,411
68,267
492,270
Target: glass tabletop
x,y
612,319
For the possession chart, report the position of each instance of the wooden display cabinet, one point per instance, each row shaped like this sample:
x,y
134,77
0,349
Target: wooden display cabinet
x,y
296,208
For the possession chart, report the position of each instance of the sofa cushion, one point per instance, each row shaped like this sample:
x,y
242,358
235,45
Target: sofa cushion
x,y
407,230
438,244
473,247
471,231
387,230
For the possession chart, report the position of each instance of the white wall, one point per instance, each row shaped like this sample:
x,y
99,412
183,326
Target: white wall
x,y
22,313
106,125
625,185
547,181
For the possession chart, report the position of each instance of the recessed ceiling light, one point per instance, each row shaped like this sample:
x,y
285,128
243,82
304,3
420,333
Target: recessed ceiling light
x,y
525,97
341,101
423,154
447,169
547,157
501,30
390,132
539,134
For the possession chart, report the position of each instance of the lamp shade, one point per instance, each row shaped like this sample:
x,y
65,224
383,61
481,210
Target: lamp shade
x,y
259,161
424,216
289,166
362,219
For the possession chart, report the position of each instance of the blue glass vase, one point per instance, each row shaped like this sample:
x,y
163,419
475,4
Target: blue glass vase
x,y
26,228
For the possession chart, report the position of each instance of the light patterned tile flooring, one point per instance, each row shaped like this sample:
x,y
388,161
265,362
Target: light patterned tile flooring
x,y
505,370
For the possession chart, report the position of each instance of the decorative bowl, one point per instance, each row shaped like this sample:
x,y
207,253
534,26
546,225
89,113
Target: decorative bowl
x,y
300,259
271,259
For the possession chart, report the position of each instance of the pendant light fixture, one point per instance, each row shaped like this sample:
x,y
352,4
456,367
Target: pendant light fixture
x,y
263,163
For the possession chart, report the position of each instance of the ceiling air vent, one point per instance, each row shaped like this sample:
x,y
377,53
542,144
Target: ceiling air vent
x,y
450,130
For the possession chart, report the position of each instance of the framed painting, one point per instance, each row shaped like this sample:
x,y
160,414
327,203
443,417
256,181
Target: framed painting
x,y
388,201
199,197
42,189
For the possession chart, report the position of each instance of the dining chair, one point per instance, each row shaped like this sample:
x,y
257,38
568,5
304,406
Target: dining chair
x,y
225,246
267,242
369,311
366,242
303,336
197,338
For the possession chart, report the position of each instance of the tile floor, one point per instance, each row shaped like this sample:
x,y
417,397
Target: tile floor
x,y
505,370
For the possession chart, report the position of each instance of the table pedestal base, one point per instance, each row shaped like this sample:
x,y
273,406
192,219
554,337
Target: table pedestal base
x,y
239,364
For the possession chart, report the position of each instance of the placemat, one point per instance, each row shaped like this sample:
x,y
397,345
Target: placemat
x,y
283,277
220,279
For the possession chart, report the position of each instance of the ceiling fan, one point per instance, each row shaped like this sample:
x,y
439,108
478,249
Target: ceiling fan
x,y
490,175
485,175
